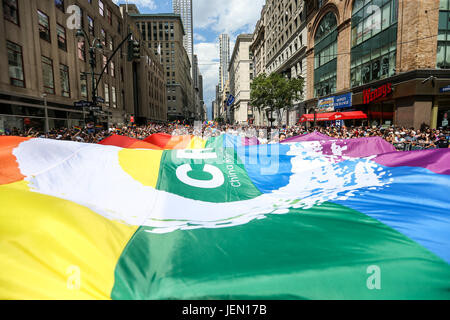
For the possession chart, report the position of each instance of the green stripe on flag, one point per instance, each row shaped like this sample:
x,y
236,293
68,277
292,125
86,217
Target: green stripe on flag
x,y
219,177
324,252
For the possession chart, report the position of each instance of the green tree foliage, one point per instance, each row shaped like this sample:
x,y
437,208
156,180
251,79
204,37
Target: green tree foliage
x,y
275,93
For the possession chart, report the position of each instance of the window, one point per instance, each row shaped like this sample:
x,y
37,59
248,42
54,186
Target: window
x,y
60,4
443,49
15,64
111,43
103,37
109,16
113,96
106,93
61,35
374,41
91,28
82,50
101,8
47,74
105,61
113,69
11,11
83,85
65,86
44,29
325,56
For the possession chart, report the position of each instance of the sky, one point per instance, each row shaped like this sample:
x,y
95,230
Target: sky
x,y
211,18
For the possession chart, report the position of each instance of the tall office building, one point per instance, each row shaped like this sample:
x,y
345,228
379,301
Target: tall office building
x,y
184,9
224,45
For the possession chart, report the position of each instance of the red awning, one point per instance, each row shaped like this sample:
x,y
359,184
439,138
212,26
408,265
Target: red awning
x,y
332,116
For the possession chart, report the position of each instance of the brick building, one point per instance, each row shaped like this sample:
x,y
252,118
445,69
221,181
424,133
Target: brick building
x,y
163,33
46,64
359,47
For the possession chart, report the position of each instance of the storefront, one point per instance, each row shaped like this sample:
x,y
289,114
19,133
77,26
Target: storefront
x,y
443,112
22,116
415,99
406,100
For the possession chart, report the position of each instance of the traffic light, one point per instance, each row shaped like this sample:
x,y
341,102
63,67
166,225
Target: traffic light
x,y
134,50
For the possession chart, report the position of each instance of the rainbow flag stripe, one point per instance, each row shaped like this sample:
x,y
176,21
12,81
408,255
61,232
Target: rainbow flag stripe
x,y
309,219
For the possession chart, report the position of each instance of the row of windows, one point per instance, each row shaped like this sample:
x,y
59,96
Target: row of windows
x,y
17,76
443,49
155,31
11,13
373,53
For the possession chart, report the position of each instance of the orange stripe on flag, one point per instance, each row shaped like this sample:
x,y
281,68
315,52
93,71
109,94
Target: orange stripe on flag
x,y
9,168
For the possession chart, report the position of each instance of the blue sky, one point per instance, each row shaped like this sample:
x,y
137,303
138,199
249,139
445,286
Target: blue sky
x,y
211,18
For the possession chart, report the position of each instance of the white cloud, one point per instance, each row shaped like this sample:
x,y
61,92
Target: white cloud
x,y
208,53
216,17
148,4
227,16
199,37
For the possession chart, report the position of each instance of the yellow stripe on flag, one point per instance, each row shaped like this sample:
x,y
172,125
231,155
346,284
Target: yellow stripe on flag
x,y
197,143
141,165
52,248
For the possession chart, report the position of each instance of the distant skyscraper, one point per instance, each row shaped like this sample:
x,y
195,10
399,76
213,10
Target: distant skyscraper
x,y
224,45
184,9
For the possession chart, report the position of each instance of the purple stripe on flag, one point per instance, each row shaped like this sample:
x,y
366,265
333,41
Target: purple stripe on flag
x,y
315,136
437,160
357,148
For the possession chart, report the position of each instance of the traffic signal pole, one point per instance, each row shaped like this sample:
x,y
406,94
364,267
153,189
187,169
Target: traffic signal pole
x,y
109,60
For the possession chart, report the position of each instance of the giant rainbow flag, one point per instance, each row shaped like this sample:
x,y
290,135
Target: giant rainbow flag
x,y
311,218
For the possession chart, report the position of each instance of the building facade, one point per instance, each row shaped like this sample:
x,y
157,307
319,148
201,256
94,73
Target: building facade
x,y
145,80
224,54
48,67
184,9
389,57
164,34
279,45
240,73
365,47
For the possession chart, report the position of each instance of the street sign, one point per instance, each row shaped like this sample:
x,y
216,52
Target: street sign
x,y
95,108
99,99
82,104
230,100
445,89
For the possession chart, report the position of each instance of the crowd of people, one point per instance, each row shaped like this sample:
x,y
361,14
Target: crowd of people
x,y
402,138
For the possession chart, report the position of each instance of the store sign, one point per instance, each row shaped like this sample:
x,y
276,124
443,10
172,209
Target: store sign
x,y
343,101
370,95
335,102
445,89
325,104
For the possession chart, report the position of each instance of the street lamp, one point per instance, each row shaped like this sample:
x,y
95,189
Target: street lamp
x,y
47,129
96,44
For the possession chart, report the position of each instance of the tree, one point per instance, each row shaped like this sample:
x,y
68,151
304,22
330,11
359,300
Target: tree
x,y
275,93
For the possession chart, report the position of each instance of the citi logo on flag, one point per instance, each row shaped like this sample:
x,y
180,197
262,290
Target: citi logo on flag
x,y
370,95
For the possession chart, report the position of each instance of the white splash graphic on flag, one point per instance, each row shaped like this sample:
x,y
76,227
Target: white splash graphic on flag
x,y
91,175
